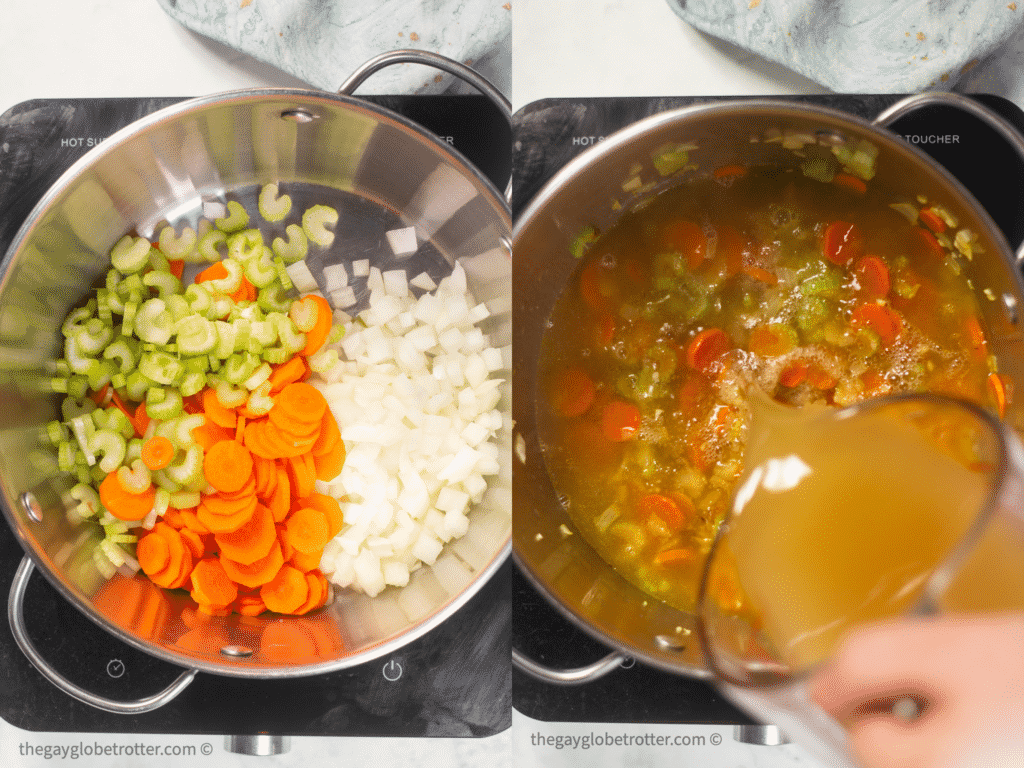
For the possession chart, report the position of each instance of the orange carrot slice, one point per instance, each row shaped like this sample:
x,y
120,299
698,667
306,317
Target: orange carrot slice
x,y
227,466
157,452
287,591
211,585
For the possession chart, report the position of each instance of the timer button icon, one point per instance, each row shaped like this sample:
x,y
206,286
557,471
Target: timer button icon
x,y
392,671
115,668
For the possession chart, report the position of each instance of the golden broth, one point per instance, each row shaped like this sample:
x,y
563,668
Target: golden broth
x,y
818,292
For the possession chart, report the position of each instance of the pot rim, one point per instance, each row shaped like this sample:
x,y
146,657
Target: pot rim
x,y
175,112
564,177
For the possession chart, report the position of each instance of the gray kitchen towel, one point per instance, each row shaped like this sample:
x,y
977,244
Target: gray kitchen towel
x,y
322,42
863,46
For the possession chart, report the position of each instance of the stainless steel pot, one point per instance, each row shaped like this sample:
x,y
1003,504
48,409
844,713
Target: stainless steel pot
x,y
594,190
379,169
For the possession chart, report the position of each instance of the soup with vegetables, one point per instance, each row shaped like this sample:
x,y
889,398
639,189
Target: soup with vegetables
x,y
814,291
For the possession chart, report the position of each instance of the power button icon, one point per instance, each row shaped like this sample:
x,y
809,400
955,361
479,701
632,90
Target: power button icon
x,y
392,671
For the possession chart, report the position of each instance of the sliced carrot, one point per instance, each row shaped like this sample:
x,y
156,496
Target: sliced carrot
x,y
207,434
317,335
730,171
305,561
211,584
793,374
157,452
302,473
307,530
193,541
98,396
873,275
572,392
153,553
706,347
192,522
842,242
249,605
123,505
730,249
932,220
243,493
286,591
245,291
258,573
820,379
281,501
851,182
227,465
216,271
329,465
331,509
770,341
929,243
879,318
177,267
179,562
760,274
620,421
141,419
216,522
302,402
678,556
219,414
328,437
315,595
288,372
689,240
999,390
253,541
664,507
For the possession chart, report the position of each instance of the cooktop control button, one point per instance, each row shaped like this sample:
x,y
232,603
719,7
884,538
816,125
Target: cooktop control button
x,y
115,668
392,671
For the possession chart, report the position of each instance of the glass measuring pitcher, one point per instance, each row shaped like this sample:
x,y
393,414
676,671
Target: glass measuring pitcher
x,y
892,507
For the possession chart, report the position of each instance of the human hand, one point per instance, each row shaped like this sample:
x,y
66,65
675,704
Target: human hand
x,y
967,674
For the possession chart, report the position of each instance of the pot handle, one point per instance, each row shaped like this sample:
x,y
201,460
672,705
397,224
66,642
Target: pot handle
x,y
994,121
437,61
574,676
16,617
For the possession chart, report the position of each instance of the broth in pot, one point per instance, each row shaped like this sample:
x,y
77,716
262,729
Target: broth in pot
x,y
815,288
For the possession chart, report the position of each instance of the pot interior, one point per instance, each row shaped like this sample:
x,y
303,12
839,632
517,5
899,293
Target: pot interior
x,y
380,172
594,191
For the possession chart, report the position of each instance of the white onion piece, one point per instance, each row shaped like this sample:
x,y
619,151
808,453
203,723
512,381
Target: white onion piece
x,y
416,403
402,241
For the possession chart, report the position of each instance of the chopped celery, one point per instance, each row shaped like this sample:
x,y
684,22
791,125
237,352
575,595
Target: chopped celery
x,y
238,367
55,433
260,401
185,499
76,319
257,377
167,406
111,445
154,323
131,308
225,345
210,243
198,298
276,355
178,306
119,422
182,429
165,283
294,248
125,351
229,395
134,450
260,271
670,158
88,499
187,470
136,479
242,330
70,407
290,337
192,383
273,298
245,245
130,254
161,368
196,335
99,374
583,240
237,218
66,456
315,223
78,362
178,246
272,207
137,384
231,283
323,360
